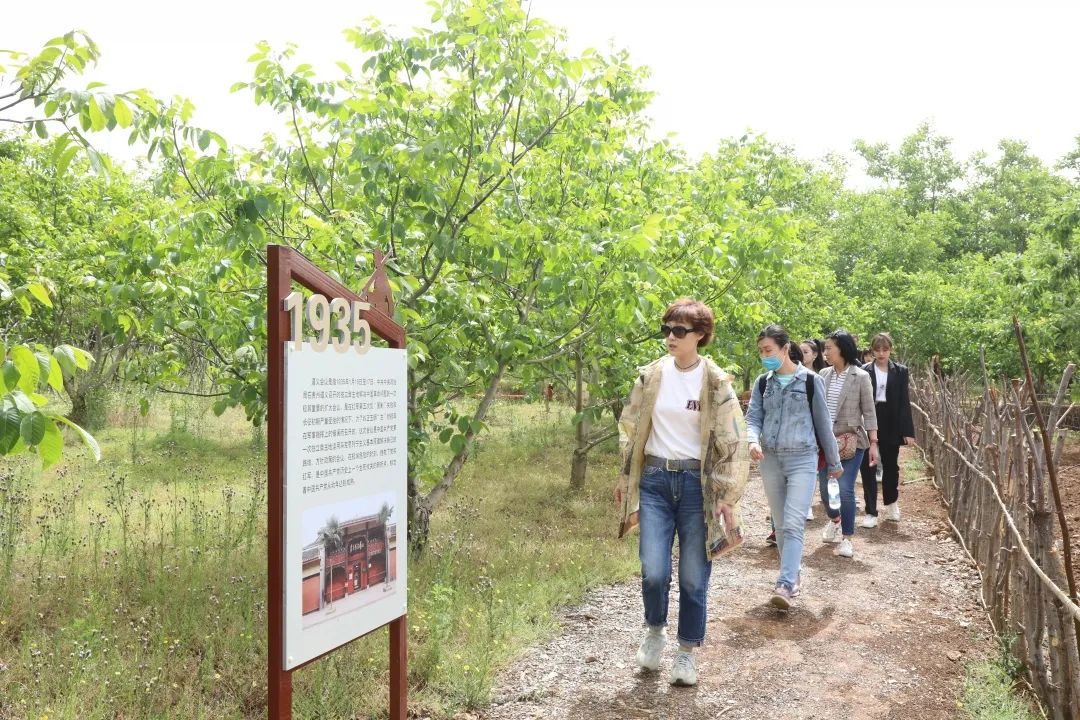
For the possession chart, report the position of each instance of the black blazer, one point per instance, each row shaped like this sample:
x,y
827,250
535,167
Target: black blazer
x,y
894,417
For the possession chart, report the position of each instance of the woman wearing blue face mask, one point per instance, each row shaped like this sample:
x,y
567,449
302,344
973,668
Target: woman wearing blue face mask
x,y
787,406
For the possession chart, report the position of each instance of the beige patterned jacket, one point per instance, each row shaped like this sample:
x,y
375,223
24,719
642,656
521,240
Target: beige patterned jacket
x,y
725,465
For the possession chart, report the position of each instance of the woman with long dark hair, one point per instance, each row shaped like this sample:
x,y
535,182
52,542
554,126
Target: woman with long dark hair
x,y
786,420
813,354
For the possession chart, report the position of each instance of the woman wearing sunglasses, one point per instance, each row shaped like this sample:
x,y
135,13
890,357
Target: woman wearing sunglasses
x,y
684,470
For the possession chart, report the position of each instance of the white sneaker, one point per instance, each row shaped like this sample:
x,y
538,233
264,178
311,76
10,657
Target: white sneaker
x,y
831,533
652,645
870,521
810,513
892,512
846,549
684,671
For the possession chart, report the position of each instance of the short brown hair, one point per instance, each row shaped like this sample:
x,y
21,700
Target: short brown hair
x,y
882,340
694,313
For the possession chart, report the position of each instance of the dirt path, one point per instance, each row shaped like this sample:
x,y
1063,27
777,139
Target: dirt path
x,y
882,636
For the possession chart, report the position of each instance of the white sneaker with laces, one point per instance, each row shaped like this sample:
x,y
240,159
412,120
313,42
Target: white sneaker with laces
x,y
831,533
892,512
810,513
870,521
684,671
652,646
846,549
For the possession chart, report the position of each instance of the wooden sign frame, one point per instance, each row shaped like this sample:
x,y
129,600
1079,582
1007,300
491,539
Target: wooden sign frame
x,y
284,267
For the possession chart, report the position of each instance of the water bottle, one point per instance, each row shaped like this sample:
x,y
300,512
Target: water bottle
x,y
834,493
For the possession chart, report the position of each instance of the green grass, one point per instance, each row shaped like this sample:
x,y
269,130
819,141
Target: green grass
x,y
135,587
989,694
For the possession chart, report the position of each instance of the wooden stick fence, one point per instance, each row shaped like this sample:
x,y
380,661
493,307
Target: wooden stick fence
x,y
992,465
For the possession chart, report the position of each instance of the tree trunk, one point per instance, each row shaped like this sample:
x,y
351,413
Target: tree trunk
x,y
421,506
577,470
80,409
417,511
582,430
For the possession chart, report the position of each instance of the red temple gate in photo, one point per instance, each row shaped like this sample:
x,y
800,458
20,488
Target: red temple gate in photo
x,y
367,556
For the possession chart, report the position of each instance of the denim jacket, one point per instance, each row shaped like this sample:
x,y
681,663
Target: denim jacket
x,y
781,421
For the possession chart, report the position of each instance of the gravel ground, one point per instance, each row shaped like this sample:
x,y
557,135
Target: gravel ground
x,y
884,635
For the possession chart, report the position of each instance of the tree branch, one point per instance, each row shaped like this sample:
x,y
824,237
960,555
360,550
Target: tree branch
x,y
303,154
193,394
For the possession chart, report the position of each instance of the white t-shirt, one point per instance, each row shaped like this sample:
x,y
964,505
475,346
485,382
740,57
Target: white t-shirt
x,y
676,417
882,378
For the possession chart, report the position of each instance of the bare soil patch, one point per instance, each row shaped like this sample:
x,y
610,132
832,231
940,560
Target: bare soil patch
x,y
884,635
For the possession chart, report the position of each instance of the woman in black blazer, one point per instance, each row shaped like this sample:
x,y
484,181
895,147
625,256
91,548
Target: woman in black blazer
x,y
895,428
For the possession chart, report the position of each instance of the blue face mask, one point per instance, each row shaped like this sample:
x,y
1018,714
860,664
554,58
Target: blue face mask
x,y
771,364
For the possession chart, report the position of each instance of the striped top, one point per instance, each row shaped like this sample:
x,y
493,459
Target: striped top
x,y
832,397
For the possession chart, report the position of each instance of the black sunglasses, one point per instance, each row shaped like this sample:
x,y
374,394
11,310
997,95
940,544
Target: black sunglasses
x,y
678,331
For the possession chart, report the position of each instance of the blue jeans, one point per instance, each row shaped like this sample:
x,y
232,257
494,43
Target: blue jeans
x,y
672,501
846,513
789,486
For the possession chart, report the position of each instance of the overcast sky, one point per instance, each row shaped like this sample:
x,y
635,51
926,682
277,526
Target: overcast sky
x,y
812,74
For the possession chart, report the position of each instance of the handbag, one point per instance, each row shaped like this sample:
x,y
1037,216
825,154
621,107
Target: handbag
x,y
846,444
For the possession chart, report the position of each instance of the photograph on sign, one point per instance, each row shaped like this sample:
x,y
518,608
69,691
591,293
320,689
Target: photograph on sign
x,y
345,496
349,556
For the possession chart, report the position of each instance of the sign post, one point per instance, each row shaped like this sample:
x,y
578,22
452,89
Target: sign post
x,y
336,462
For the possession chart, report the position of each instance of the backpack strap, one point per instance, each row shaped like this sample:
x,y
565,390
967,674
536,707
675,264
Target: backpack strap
x,y
761,384
810,388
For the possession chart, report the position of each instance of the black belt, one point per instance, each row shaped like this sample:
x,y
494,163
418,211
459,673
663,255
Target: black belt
x,y
672,465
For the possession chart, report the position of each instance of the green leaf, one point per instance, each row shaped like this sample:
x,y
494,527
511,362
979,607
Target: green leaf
x,y
40,294
82,358
220,406
32,428
86,437
446,434
9,429
22,402
65,355
10,375
51,446
56,375
98,121
24,304
144,406
121,112
65,159
44,366
457,443
27,364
